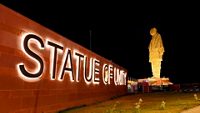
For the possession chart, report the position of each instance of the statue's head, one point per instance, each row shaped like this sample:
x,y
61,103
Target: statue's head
x,y
153,31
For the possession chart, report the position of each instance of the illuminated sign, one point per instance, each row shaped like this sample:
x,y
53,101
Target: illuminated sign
x,y
37,62
90,68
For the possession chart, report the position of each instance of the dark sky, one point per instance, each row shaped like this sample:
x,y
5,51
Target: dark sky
x,y
120,32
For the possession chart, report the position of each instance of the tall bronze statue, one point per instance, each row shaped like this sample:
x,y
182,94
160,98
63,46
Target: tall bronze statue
x,y
156,50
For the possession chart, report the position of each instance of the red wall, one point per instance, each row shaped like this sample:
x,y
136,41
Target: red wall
x,y
20,95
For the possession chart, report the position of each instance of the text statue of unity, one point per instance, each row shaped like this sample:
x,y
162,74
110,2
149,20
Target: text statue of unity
x,y
156,50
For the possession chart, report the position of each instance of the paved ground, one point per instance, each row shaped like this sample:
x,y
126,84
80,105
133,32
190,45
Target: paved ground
x,y
193,110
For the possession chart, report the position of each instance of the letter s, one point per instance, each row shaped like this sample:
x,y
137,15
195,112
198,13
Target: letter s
x,y
34,76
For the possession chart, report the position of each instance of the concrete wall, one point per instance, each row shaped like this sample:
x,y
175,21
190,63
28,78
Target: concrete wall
x,y
41,93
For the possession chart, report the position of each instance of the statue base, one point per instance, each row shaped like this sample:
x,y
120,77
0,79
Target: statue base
x,y
153,81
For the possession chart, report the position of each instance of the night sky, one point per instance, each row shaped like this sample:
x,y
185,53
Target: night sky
x,y
120,32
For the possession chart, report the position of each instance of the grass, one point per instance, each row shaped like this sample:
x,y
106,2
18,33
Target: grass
x,y
175,102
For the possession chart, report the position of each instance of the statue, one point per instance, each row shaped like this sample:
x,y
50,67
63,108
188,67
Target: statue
x,y
156,51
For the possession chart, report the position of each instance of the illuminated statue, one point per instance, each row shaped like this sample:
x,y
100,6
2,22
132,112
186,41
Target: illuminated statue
x,y
156,51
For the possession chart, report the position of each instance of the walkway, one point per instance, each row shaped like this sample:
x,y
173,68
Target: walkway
x,y
193,110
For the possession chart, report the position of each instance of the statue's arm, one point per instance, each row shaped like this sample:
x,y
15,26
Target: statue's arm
x,y
161,49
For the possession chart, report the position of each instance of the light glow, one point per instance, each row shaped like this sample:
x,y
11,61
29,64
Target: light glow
x,y
78,59
37,68
105,74
96,64
32,44
68,66
90,71
51,60
156,51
